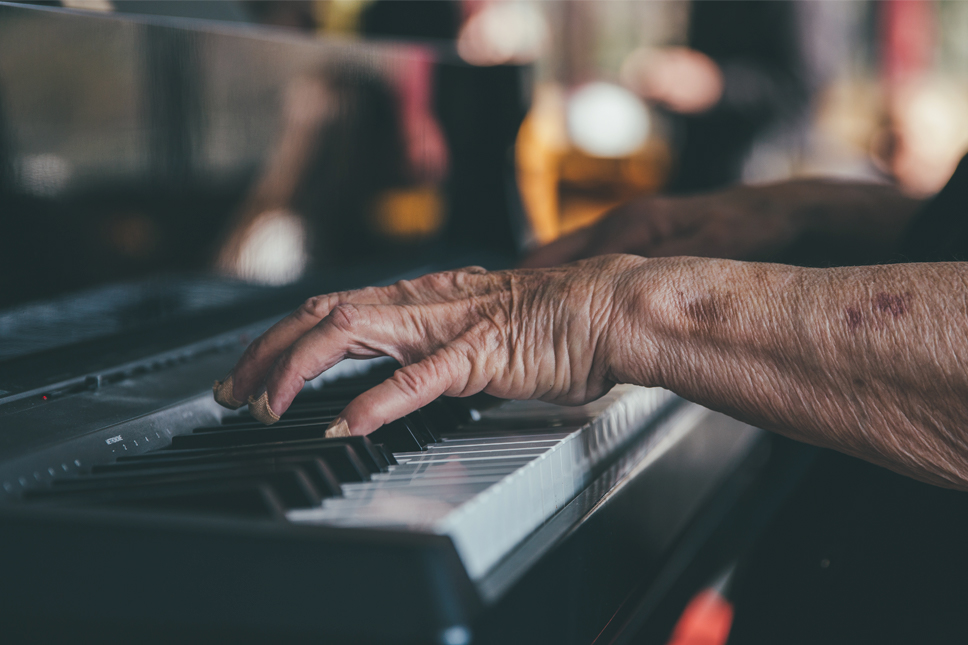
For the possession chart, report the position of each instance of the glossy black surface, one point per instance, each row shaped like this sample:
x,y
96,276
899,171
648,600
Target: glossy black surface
x,y
134,146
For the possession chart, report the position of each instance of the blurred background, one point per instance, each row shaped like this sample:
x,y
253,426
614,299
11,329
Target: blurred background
x,y
586,103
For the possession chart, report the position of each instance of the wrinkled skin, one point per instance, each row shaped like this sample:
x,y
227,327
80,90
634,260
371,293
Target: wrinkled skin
x,y
868,360
525,334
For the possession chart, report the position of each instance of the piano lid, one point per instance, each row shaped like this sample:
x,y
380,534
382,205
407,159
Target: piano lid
x,y
135,146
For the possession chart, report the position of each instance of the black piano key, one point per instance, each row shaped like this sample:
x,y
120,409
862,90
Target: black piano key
x,y
249,502
400,436
248,436
291,484
329,412
348,387
419,423
324,407
309,412
341,460
251,424
386,454
403,439
444,415
333,393
316,469
423,432
245,499
365,450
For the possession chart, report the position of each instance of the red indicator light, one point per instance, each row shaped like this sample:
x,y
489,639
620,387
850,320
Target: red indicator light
x,y
45,397
705,621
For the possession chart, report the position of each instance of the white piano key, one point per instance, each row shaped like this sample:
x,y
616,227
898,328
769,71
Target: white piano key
x,y
487,493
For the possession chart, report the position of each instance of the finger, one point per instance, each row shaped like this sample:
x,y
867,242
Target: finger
x,y
445,372
563,250
249,373
406,333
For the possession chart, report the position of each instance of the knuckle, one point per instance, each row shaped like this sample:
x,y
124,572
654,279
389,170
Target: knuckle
x,y
369,294
439,281
407,288
410,380
345,317
314,307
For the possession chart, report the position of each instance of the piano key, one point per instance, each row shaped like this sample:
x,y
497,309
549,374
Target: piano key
x,y
304,408
438,487
340,459
372,456
468,456
290,483
515,426
440,471
315,469
252,424
343,390
422,422
249,501
402,435
247,436
255,501
447,413
320,411
387,455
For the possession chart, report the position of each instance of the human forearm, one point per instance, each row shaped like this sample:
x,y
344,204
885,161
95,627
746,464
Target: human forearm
x,y
865,360
810,218
873,216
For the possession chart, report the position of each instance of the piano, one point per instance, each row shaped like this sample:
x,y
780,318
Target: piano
x,y
133,507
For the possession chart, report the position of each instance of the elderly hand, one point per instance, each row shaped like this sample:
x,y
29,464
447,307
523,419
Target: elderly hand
x,y
526,334
747,223
866,360
731,224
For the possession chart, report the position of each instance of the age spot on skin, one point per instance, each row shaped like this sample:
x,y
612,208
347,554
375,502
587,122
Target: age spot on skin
x,y
889,303
854,318
706,310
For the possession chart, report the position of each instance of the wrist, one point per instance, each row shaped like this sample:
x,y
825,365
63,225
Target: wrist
x,y
642,340
682,322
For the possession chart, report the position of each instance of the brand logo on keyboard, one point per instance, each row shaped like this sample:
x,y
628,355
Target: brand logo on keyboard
x,y
112,440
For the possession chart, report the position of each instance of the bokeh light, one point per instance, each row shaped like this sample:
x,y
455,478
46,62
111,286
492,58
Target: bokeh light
x,y
605,120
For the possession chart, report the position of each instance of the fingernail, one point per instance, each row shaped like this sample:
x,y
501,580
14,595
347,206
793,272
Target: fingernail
x,y
260,410
338,428
225,394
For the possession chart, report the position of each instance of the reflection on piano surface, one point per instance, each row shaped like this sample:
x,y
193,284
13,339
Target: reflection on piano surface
x,y
139,153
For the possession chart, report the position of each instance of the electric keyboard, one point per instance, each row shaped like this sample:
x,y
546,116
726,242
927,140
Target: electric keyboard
x,y
439,503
